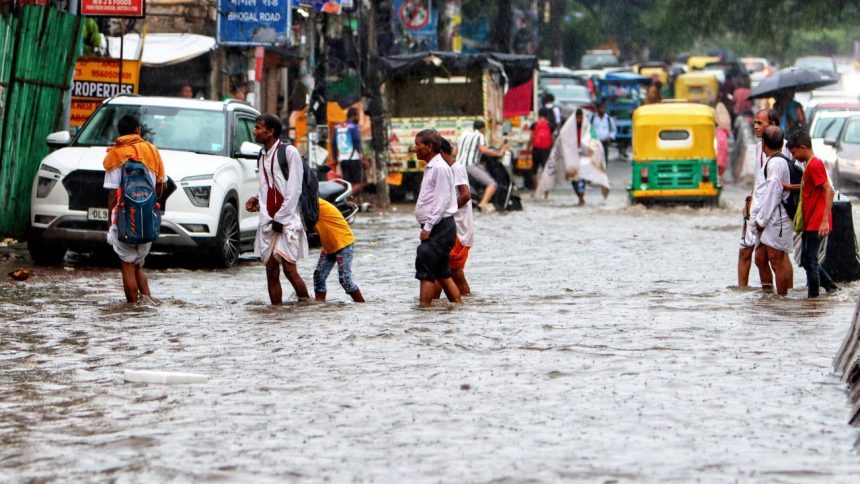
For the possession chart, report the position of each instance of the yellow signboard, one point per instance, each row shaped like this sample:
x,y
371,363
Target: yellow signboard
x,y
96,79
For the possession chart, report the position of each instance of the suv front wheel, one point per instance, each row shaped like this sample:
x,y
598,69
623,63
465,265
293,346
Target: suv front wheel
x,y
225,251
45,252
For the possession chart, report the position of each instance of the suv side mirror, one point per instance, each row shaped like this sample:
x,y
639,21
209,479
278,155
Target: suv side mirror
x,y
249,150
831,141
59,139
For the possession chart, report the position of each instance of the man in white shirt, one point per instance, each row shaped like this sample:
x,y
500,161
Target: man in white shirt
x,y
434,210
604,128
281,239
763,119
771,223
463,219
471,146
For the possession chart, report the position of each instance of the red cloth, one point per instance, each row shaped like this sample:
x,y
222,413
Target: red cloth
x,y
814,178
722,150
742,100
518,100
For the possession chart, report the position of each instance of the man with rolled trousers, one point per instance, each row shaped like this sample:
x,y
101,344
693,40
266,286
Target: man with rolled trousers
x,y
434,210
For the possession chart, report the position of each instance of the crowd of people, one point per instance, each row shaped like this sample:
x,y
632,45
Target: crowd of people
x,y
786,199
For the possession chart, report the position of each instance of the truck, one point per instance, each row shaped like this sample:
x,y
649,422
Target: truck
x,y
444,91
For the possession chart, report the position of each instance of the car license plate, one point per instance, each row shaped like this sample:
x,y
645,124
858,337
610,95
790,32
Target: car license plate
x,y
97,214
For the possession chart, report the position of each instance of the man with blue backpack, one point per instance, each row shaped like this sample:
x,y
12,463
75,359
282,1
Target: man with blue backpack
x,y
347,150
135,176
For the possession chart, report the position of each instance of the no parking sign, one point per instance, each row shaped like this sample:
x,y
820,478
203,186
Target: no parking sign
x,y
416,20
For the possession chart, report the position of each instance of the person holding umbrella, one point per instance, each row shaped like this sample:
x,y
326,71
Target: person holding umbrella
x,y
790,111
784,84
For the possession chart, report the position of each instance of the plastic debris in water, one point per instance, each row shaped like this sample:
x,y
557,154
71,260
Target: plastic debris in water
x,y
163,377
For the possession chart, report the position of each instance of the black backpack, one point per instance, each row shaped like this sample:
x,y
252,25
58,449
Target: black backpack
x,y
795,174
309,199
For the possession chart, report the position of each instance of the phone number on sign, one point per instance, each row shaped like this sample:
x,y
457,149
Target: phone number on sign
x,y
110,3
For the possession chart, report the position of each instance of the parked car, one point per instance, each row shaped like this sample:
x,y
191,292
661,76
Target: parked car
x,y
210,176
758,69
569,94
845,172
825,122
821,97
817,62
729,70
597,59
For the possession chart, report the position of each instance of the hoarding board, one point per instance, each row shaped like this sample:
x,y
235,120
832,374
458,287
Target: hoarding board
x,y
96,79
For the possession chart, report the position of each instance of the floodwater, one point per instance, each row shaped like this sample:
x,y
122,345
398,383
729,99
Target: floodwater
x,y
604,343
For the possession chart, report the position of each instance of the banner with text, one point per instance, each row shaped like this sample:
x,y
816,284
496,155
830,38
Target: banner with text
x,y
96,79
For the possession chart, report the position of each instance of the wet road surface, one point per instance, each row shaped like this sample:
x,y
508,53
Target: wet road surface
x,y
602,343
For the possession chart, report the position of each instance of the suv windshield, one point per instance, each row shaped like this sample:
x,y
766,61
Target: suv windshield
x,y
596,61
568,92
168,128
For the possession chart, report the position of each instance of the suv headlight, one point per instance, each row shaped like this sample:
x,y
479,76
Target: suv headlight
x,y
48,177
199,195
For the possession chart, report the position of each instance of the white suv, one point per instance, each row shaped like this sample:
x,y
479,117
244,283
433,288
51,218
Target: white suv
x,y
209,179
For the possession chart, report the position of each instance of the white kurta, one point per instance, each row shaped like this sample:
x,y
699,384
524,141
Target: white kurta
x,y
758,192
571,160
292,244
770,214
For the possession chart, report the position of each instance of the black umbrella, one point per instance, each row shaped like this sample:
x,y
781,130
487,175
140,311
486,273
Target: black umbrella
x,y
796,78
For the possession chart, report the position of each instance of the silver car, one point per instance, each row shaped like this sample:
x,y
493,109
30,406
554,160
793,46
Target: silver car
x,y
846,169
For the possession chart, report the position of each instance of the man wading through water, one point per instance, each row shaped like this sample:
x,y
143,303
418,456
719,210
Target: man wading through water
x,y
772,225
763,119
281,239
434,210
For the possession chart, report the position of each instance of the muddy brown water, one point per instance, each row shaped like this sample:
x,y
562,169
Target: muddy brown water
x,y
602,343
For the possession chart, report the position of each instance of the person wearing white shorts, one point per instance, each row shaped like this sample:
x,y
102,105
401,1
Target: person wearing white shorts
x,y
130,145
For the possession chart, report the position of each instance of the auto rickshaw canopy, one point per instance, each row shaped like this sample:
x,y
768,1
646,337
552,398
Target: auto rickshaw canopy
x,y
702,87
697,62
672,131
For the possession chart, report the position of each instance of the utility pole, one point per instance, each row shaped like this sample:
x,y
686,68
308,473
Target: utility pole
x,y
371,91
502,30
556,36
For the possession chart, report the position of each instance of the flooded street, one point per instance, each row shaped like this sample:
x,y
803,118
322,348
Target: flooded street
x,y
602,343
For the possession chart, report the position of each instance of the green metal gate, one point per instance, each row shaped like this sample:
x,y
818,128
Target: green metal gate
x,y
38,50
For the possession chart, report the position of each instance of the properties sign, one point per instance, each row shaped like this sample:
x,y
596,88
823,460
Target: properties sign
x,y
254,22
113,8
96,79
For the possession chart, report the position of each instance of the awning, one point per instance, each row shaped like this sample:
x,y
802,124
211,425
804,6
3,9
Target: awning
x,y
161,50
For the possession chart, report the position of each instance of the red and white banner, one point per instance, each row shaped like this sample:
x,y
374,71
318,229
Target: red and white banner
x,y
113,8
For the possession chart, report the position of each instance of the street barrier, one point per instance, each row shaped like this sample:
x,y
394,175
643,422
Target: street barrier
x,y
841,260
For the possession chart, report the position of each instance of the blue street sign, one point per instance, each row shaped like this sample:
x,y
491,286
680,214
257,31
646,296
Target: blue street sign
x,y
254,22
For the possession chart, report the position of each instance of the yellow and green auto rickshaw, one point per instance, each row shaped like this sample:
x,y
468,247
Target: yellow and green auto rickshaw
x,y
698,87
674,158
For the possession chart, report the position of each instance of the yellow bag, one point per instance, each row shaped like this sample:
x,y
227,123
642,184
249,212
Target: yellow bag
x,y
799,226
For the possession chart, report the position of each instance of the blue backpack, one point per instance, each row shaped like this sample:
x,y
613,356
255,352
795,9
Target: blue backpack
x,y
343,139
138,219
